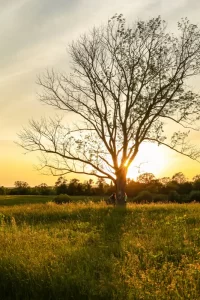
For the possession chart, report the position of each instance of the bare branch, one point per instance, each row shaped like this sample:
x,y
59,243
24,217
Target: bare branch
x,y
126,82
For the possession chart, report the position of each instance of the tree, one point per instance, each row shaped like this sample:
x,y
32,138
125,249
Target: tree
x,y
101,185
21,188
2,190
74,187
196,178
21,184
179,178
196,182
146,178
61,186
88,186
185,187
43,189
165,180
126,82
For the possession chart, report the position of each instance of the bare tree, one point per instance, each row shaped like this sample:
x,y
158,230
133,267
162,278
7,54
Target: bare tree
x,y
125,83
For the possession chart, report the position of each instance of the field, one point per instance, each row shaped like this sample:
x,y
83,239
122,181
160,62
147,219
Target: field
x,y
94,251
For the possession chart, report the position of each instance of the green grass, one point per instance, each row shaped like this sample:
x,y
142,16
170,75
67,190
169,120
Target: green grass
x,y
94,251
24,199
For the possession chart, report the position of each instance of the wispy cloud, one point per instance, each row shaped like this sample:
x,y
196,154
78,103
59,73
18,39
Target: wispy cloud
x,y
35,33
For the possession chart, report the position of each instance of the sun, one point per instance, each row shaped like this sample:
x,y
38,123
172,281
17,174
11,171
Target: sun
x,y
150,159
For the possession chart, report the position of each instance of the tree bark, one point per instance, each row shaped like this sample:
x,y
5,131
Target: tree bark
x,y
120,185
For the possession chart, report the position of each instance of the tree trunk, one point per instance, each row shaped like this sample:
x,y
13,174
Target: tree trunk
x,y
120,185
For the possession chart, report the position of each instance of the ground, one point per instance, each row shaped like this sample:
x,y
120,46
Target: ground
x,y
94,251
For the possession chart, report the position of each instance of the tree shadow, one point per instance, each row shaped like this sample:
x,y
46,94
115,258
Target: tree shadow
x,y
92,266
113,229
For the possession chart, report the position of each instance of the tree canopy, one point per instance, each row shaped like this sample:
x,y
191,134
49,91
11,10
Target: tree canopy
x,y
125,83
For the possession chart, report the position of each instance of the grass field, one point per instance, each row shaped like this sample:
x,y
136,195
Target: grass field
x,y
94,251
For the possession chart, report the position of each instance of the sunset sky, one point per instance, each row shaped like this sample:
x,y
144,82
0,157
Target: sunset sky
x,y
34,36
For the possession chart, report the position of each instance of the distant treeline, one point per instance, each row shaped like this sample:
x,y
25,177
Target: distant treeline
x,y
145,189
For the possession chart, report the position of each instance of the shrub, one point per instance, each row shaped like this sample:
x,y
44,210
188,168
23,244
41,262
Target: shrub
x,y
144,197
194,196
173,196
62,198
159,198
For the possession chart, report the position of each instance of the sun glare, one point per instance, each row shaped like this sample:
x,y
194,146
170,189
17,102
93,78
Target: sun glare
x,y
150,159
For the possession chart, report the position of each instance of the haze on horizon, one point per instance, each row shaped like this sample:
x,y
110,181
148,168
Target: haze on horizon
x,y
34,37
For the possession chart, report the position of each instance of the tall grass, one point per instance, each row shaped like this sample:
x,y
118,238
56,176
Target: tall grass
x,y
94,251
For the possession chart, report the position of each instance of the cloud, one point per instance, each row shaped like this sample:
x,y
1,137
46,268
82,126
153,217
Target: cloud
x,y
37,33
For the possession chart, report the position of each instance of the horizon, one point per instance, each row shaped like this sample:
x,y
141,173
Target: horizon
x,y
107,181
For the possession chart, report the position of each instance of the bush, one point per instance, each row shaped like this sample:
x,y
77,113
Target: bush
x,y
194,196
159,198
144,197
173,196
62,198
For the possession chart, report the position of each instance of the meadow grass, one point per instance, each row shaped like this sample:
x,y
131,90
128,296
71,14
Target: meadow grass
x,y
94,251
10,200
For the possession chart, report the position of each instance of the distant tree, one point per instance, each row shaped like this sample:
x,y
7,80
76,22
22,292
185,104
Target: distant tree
x,y
126,83
185,187
2,190
133,188
179,178
61,186
90,181
146,178
88,186
21,184
194,196
196,178
60,180
172,186
196,185
154,186
110,188
174,196
44,189
196,182
101,186
165,180
21,188
74,187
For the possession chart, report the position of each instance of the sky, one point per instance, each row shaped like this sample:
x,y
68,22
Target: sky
x,y
34,36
